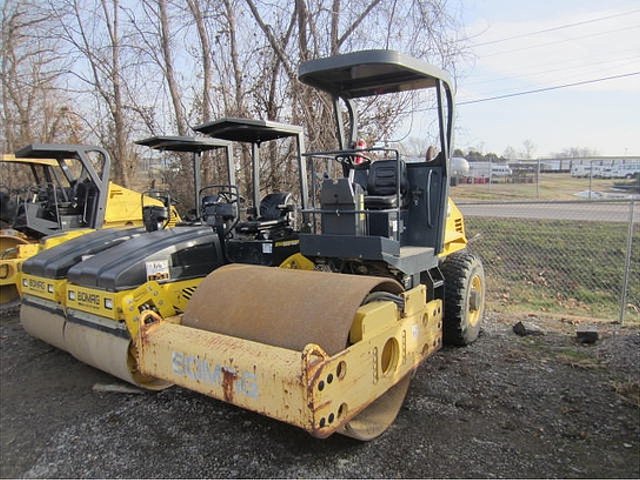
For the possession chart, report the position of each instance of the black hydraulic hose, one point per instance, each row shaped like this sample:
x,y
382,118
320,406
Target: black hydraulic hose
x,y
384,297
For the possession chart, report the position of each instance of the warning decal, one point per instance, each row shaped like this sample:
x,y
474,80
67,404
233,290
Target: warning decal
x,y
158,270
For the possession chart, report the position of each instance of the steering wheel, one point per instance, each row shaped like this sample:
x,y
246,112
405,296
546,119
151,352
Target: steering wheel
x,y
348,160
229,196
223,194
36,191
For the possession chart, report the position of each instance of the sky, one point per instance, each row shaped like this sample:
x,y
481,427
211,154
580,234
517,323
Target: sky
x,y
522,45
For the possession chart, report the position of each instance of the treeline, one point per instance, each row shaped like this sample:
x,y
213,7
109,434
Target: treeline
x,y
475,156
110,72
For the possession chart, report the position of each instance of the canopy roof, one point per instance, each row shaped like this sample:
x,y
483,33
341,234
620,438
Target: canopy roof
x,y
370,72
54,150
183,143
245,130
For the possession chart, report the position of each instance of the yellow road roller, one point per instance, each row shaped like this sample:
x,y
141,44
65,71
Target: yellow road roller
x,y
331,345
66,193
78,295
333,349
44,277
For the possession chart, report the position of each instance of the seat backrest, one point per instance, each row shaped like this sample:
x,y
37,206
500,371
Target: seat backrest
x,y
208,201
269,206
383,179
7,208
86,195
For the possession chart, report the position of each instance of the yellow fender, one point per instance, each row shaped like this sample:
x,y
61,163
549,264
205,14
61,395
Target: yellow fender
x,y
297,261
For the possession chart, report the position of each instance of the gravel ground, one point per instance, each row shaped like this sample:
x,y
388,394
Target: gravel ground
x,y
507,406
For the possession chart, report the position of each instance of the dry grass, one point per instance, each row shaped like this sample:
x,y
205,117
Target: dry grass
x,y
629,391
553,186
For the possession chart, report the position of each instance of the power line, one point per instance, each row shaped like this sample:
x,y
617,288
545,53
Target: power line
x,y
617,30
546,89
565,63
536,73
537,90
553,29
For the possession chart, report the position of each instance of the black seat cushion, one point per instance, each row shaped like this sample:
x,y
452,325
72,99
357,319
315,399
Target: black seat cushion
x,y
380,202
270,206
271,214
382,185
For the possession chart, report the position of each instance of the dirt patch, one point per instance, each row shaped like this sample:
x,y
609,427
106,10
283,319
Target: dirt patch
x,y
507,406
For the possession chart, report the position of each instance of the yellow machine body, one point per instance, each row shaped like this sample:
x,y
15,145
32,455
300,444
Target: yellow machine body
x,y
455,238
317,390
15,248
53,290
167,299
123,208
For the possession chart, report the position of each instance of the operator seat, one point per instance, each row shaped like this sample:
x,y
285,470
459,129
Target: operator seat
x,y
274,212
382,185
7,208
216,211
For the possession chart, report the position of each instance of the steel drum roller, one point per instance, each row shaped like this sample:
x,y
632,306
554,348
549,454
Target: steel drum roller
x,y
88,343
290,309
43,324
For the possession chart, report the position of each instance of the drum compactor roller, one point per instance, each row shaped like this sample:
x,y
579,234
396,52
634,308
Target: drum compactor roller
x,y
78,295
332,348
45,277
69,195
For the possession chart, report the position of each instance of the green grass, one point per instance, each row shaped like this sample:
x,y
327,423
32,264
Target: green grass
x,y
557,266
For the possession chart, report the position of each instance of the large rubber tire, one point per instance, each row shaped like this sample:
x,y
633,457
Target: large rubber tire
x,y
464,298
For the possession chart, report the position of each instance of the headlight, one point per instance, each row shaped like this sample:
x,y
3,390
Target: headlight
x,y
49,288
108,303
72,295
24,282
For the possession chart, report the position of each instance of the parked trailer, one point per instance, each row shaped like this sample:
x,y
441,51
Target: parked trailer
x,y
603,167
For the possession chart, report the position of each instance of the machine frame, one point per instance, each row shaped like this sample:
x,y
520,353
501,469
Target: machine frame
x,y
43,217
390,335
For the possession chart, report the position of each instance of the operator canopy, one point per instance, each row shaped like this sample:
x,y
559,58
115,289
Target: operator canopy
x,y
370,72
244,130
183,143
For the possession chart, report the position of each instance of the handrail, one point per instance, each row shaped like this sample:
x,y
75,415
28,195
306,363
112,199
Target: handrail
x,y
334,155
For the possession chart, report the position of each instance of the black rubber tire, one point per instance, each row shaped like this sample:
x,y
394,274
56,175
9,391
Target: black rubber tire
x,y
463,277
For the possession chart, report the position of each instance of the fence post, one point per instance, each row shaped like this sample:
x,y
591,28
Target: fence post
x,y
538,181
590,177
490,173
627,264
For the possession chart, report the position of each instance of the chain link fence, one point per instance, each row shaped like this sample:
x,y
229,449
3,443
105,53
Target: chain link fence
x,y
590,178
570,257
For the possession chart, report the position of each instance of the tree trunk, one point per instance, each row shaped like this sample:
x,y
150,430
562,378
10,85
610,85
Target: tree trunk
x,y
174,88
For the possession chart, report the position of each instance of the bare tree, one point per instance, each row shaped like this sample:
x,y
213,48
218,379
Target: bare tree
x,y
155,40
161,66
94,33
577,152
34,108
510,153
205,56
528,149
